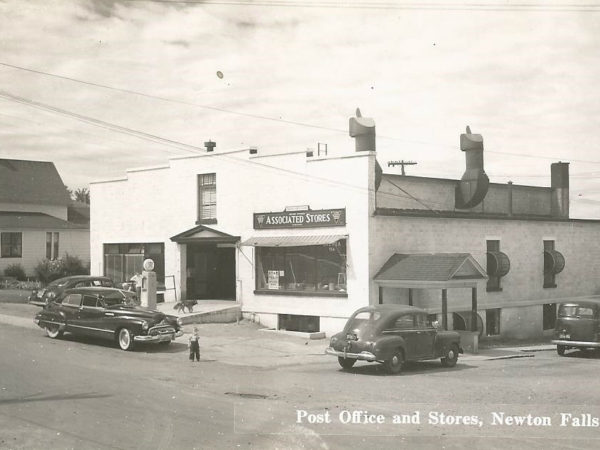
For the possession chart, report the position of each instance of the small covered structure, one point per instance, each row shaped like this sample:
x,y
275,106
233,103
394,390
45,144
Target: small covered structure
x,y
433,271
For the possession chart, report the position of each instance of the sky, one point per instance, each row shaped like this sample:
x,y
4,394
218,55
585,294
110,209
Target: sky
x,y
100,86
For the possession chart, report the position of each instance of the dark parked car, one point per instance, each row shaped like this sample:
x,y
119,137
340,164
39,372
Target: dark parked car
x,y
577,325
107,313
392,335
57,287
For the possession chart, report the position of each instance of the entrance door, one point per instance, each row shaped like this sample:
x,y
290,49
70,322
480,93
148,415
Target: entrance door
x,y
210,272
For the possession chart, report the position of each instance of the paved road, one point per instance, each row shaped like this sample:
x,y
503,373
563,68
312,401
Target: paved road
x,y
79,393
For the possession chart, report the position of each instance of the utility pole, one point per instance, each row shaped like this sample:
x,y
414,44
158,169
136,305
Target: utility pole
x,y
401,163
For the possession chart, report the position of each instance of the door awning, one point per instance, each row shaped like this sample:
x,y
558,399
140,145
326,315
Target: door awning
x,y
204,235
293,241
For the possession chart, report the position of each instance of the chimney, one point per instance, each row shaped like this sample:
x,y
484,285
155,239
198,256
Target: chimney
x,y
210,146
363,130
473,186
559,176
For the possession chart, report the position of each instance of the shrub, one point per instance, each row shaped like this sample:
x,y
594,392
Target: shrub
x,y
72,265
15,271
50,270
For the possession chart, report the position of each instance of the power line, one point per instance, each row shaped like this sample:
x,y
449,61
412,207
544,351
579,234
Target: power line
x,y
261,117
564,7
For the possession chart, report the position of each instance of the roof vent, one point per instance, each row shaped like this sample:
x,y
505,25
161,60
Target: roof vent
x,y
210,145
473,186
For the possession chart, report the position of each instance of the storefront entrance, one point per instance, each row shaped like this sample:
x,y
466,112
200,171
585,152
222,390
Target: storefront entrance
x,y
210,272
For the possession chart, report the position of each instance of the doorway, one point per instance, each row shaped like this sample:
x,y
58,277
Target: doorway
x,y
210,272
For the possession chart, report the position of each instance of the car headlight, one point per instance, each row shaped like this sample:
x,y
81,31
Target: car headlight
x,y
179,322
145,325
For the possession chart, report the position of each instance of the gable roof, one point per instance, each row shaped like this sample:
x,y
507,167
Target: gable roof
x,y
16,220
204,234
31,182
430,268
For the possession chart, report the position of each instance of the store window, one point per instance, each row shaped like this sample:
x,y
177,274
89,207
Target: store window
x,y
549,316
11,245
207,198
122,261
312,269
492,322
52,245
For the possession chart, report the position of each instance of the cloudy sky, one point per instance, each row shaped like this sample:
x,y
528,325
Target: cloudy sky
x,y
99,86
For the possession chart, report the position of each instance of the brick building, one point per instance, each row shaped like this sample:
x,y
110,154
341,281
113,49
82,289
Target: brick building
x,y
302,240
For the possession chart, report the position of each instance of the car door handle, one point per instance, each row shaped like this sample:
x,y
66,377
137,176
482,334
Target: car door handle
x,y
109,314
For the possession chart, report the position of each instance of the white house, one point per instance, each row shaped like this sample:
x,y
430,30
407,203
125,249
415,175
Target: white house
x,y
34,210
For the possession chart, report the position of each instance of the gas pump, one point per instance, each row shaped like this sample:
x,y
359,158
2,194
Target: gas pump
x,y
148,291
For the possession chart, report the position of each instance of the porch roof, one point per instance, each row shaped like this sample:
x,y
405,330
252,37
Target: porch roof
x,y
431,270
202,234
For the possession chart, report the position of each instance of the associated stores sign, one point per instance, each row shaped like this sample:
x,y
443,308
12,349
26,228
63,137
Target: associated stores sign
x,y
300,219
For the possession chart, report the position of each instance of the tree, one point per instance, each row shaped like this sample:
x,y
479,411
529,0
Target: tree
x,y
82,195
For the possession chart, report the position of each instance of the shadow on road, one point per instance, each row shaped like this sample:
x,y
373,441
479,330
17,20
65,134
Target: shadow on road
x,y
173,347
51,398
408,369
589,354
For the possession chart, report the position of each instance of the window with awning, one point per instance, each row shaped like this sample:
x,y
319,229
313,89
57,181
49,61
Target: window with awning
x,y
300,264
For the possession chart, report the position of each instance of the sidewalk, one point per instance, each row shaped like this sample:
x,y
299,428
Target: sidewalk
x,y
244,344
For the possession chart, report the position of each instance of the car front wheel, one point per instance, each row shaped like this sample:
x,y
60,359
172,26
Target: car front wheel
x,y
451,356
53,331
560,349
346,363
394,364
125,339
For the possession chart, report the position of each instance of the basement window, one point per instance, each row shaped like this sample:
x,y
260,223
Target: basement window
x,y
293,322
492,322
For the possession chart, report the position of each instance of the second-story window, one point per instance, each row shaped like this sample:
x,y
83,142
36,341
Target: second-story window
x,y
207,198
498,265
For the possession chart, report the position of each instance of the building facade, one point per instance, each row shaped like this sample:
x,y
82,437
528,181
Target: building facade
x,y
34,217
302,240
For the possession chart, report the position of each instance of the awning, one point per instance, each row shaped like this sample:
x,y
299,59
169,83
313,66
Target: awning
x,y
293,241
430,270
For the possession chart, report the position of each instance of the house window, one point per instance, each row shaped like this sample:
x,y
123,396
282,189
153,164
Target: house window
x,y
492,322
498,265
52,245
207,198
11,245
310,269
123,261
549,316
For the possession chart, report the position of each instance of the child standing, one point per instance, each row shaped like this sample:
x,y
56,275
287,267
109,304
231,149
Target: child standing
x,y
194,345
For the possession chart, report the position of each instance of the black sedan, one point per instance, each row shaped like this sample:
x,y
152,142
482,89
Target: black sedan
x,y
392,335
54,289
109,314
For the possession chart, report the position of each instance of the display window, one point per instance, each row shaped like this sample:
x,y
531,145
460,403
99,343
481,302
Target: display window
x,y
317,269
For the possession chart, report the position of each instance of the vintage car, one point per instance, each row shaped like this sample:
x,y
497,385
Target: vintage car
x,y
392,335
41,297
577,325
107,313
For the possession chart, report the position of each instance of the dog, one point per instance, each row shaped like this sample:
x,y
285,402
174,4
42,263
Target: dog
x,y
181,305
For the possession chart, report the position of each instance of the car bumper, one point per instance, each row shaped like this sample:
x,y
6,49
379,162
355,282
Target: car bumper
x,y
575,343
362,356
158,337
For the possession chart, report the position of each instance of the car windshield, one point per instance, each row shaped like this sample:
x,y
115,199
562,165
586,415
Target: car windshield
x,y
585,312
58,283
363,321
113,299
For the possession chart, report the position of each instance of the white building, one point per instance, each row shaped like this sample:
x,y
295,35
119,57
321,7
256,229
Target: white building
x,y
302,240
